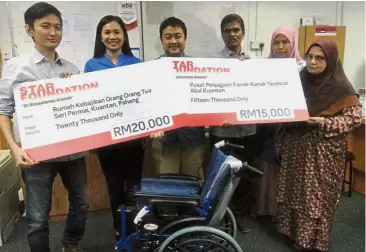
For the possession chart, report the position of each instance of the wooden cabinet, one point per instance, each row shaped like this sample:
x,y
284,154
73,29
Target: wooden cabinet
x,y
97,190
309,34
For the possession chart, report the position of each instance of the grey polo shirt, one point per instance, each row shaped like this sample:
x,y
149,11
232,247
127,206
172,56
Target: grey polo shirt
x,y
235,130
27,68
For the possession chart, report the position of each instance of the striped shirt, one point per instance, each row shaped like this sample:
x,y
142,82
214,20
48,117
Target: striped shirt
x,y
28,68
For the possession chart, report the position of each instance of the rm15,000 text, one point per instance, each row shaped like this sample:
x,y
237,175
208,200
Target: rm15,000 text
x,y
265,113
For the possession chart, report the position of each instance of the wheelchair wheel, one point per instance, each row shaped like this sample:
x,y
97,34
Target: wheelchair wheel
x,y
228,223
200,238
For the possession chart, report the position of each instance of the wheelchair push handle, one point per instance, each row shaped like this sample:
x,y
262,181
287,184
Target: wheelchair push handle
x,y
244,165
251,168
228,144
235,146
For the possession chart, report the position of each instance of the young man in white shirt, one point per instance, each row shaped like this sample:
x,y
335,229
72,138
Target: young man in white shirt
x,y
43,23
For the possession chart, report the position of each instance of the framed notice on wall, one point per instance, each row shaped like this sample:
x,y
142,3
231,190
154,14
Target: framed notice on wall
x,y
128,12
136,52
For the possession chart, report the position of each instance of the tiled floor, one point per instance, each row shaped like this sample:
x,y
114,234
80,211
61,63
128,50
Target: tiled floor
x,y
348,232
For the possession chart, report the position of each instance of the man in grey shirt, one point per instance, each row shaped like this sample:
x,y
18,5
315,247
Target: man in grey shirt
x,y
232,32
44,24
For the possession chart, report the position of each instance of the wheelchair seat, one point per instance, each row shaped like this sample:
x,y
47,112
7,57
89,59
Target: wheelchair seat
x,y
178,192
169,187
178,207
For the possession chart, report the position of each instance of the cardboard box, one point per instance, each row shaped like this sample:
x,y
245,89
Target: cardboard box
x,y
304,21
9,204
8,171
9,228
321,21
9,199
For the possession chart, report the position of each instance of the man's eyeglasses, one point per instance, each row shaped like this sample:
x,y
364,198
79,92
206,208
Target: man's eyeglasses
x,y
318,58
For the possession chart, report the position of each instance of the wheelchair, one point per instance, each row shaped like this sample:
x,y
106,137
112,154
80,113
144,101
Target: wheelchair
x,y
178,213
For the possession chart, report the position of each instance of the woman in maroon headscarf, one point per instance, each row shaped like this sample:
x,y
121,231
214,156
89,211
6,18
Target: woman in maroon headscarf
x,y
313,153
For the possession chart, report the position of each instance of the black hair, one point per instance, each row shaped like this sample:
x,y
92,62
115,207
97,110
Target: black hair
x,y
173,22
38,11
232,18
99,47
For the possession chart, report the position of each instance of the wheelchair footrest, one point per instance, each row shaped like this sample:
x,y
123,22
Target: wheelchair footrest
x,y
126,226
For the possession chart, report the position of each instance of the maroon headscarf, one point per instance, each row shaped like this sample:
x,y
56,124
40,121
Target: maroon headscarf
x,y
330,91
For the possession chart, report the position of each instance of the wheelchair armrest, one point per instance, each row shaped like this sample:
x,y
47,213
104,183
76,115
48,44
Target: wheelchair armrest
x,y
177,176
174,202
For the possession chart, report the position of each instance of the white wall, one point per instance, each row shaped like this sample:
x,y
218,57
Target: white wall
x,y
78,51
152,14
207,29
354,62
260,18
350,14
272,14
201,18
5,35
203,22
